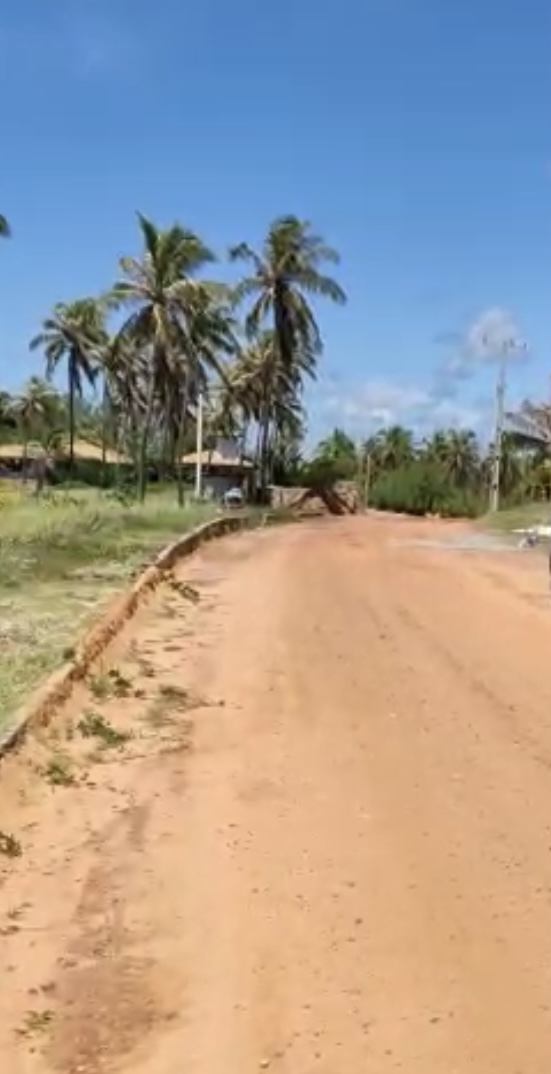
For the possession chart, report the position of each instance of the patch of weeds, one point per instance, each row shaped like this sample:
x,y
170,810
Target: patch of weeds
x,y
122,686
93,725
176,695
10,847
110,684
100,686
170,700
187,591
58,772
35,1022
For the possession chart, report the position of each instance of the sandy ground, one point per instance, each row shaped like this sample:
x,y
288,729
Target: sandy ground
x,y
326,847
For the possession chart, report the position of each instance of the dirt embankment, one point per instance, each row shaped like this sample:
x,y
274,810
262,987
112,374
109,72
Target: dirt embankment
x,y
327,844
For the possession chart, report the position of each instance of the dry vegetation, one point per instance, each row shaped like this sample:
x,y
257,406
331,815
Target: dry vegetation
x,y
61,558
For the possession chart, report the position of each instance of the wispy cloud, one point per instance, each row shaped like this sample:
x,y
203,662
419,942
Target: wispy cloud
x,y
489,336
492,332
440,400
378,403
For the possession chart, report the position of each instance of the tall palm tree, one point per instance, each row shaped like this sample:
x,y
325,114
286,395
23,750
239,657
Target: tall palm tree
x,y
513,463
268,393
336,458
285,273
73,335
456,450
207,341
338,445
32,409
115,371
162,293
7,420
395,447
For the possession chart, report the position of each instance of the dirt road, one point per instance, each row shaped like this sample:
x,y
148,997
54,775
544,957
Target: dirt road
x,y
326,847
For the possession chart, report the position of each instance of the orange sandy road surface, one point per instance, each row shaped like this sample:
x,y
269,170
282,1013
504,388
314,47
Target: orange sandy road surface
x,y
338,859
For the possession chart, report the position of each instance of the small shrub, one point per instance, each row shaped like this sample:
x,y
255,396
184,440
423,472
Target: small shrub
x,y
110,684
35,1022
175,695
93,725
10,847
170,700
58,772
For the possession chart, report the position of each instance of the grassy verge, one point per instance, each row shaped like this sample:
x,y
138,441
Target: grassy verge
x,y
516,518
61,559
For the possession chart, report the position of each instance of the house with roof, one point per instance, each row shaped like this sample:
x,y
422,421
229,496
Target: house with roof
x,y
223,467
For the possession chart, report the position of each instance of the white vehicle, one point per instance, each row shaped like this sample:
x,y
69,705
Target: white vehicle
x,y
234,497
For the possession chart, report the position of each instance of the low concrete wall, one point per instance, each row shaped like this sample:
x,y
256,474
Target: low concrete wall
x,y
57,688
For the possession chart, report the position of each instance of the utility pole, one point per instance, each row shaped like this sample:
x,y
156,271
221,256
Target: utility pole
x,y
199,448
506,348
367,479
498,435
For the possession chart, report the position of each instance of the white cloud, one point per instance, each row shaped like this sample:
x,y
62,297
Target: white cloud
x,y
377,400
438,402
493,332
383,403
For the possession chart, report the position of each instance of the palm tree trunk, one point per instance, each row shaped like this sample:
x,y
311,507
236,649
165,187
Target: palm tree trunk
x,y
282,329
25,456
71,416
104,422
243,440
168,451
180,446
142,456
258,459
245,475
118,441
265,454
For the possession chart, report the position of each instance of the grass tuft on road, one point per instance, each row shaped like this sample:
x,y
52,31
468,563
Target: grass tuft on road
x,y
61,558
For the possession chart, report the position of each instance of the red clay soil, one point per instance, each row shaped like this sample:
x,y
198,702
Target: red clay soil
x,y
326,848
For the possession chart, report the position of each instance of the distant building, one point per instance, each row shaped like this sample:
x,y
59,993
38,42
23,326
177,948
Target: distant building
x,y
223,468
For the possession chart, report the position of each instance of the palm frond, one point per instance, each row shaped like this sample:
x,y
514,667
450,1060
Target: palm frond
x,y
150,235
322,285
243,252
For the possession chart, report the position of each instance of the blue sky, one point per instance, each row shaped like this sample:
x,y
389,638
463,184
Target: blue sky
x,y
415,136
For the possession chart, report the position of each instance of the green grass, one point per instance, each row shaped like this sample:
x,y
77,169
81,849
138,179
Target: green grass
x,y
515,518
61,558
